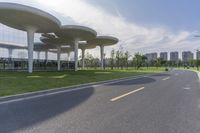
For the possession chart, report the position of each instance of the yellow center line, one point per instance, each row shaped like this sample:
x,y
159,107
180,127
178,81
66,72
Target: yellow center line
x,y
124,95
166,78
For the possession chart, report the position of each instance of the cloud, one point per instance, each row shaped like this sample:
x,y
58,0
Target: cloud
x,y
133,37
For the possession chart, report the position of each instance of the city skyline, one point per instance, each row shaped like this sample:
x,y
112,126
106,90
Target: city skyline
x,y
174,55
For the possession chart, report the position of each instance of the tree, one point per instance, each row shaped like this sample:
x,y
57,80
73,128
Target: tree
x,y
89,60
197,63
144,60
121,58
158,62
138,60
112,58
126,57
117,58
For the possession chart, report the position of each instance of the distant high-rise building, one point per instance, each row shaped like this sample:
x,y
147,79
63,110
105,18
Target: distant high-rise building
x,y
151,56
174,56
187,56
198,55
164,56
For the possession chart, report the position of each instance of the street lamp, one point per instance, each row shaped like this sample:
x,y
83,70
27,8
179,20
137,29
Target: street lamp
x,y
198,60
197,50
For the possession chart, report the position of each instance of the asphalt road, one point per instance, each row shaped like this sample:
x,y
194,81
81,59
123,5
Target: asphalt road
x,y
162,103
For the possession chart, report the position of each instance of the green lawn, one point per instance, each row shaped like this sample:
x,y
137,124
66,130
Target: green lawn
x,y
20,82
191,68
195,69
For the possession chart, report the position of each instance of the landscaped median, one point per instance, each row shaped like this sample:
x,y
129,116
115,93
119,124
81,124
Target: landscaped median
x,y
12,83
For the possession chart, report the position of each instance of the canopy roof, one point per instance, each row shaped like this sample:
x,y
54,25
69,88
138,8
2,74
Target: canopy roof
x,y
11,46
55,41
50,36
104,40
42,47
23,17
87,46
74,31
63,50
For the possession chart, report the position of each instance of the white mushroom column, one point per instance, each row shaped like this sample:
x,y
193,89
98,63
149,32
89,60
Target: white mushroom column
x,y
10,51
75,34
76,42
103,41
30,38
83,58
58,57
46,55
102,56
68,58
38,55
83,47
31,20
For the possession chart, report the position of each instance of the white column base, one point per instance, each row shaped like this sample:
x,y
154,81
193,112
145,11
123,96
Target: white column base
x,y
102,56
30,39
10,52
46,55
83,58
38,55
58,58
68,59
76,42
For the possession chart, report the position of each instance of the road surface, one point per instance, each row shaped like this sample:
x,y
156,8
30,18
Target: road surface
x,y
162,103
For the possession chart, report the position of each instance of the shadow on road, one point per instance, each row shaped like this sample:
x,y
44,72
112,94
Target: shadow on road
x,y
162,75
20,115
143,80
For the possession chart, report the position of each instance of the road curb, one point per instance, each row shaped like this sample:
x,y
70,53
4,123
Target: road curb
x,y
70,88
198,73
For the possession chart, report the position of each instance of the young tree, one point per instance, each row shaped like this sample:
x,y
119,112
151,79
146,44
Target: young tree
x,y
197,63
158,62
126,57
88,60
121,58
117,58
144,60
112,58
138,60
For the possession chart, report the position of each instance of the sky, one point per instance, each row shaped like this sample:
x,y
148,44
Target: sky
x,y
141,25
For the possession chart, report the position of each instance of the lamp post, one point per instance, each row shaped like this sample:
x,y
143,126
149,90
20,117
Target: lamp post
x,y
198,56
198,59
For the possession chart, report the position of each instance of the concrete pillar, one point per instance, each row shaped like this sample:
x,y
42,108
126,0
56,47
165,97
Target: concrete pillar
x,y
30,39
46,55
68,59
102,56
58,57
11,63
83,58
76,42
10,52
68,56
38,55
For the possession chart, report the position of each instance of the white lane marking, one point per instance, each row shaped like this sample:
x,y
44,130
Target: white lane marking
x,y
176,74
126,94
187,88
65,91
166,78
